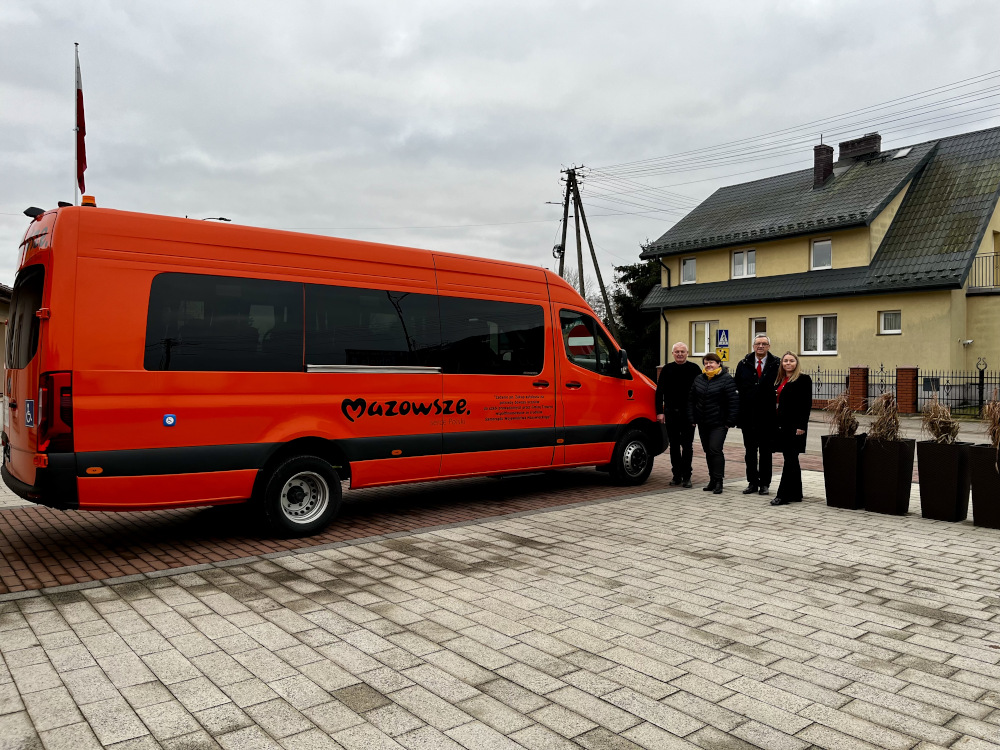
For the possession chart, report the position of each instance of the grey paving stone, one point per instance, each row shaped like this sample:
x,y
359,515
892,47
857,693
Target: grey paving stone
x,y
113,720
365,737
427,738
51,709
168,719
651,711
77,736
312,739
223,719
250,738
17,732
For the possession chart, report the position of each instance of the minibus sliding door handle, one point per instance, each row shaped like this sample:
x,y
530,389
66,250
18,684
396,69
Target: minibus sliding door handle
x,y
541,384
574,384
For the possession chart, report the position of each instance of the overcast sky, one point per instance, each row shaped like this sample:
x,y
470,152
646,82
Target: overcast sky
x,y
445,124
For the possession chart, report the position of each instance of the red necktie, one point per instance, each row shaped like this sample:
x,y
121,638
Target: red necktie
x,y
758,369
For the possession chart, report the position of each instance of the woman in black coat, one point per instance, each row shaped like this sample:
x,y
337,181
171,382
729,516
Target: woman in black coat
x,y
794,393
714,406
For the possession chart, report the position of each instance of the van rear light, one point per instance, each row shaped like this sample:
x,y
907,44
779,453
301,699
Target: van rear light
x,y
55,412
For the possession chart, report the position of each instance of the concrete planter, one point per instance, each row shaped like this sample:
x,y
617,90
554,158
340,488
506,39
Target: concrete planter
x,y
943,472
985,486
842,471
886,471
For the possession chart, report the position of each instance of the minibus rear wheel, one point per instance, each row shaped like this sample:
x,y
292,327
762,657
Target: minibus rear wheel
x,y
301,496
632,460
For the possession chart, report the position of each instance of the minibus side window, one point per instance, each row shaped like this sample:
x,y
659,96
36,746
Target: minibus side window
x,y
488,337
586,344
371,327
22,331
223,324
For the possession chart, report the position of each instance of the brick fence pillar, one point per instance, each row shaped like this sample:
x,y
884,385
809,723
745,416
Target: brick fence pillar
x,y
906,390
857,388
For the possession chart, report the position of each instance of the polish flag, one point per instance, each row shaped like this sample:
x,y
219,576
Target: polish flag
x,y
81,129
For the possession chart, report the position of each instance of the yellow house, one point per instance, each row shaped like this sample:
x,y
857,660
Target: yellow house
x,y
881,257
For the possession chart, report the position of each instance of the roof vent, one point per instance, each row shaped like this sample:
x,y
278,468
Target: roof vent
x,y
902,152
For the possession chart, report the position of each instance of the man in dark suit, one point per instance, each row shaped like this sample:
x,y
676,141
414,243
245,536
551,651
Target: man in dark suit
x,y
672,391
755,376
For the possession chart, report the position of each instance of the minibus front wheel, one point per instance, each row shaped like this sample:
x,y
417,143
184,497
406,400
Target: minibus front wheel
x,y
301,496
632,460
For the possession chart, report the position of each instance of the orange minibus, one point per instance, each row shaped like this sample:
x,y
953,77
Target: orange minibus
x,y
156,362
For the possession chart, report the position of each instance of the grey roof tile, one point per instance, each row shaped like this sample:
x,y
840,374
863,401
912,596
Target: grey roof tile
x,y
931,243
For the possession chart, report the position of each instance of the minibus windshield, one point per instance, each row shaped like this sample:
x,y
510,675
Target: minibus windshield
x,y
22,330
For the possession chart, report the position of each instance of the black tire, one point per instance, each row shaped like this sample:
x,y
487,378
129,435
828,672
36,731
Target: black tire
x,y
301,496
632,460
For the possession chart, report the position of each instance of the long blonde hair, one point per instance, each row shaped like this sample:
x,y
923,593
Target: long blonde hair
x,y
781,369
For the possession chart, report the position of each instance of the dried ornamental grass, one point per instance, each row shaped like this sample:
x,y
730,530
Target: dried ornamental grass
x,y
842,418
991,415
937,421
885,419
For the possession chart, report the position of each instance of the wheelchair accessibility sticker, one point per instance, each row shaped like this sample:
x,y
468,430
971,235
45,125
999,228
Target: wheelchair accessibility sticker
x,y
29,413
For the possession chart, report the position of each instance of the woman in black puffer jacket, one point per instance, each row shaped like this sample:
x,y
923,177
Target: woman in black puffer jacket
x,y
714,405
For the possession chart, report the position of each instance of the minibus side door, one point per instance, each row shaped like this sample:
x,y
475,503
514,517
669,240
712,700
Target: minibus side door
x,y
499,386
594,395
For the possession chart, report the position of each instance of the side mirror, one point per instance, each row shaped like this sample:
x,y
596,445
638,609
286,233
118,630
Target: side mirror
x,y
623,362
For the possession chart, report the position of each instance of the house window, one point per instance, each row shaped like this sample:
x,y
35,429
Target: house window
x,y
688,274
819,334
890,321
822,255
744,264
703,337
757,326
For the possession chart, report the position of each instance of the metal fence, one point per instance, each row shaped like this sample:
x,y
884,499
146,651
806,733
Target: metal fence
x,y
881,381
962,392
828,384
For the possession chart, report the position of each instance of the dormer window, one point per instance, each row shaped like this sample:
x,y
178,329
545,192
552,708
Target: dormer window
x,y
821,255
688,271
744,264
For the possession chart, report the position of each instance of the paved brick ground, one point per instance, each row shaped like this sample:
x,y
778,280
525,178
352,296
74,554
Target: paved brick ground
x,y
680,620
40,547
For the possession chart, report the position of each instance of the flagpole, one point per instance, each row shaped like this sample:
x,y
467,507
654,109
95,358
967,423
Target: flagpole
x,y
76,128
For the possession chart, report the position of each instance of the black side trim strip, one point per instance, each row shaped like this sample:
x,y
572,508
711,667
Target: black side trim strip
x,y
210,458
597,433
372,448
498,440
188,460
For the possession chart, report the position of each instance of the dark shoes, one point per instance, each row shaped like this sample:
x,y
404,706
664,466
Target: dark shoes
x,y
765,490
751,489
779,501
714,486
709,487
675,481
687,483
718,489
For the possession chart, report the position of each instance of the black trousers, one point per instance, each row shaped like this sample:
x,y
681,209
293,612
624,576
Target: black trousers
x,y
758,444
712,439
681,434
790,487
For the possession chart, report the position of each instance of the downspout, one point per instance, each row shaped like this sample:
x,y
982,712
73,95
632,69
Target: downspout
x,y
665,268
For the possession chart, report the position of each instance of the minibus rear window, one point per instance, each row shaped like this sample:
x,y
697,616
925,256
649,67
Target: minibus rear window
x,y
223,324
489,337
22,330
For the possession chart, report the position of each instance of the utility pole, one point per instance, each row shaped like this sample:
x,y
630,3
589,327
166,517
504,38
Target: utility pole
x,y
573,193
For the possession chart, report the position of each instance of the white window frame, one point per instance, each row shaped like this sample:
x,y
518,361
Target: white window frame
x,y
746,256
883,329
694,266
711,326
753,328
812,255
819,334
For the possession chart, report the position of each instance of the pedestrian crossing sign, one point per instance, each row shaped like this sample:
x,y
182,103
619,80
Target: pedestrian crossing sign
x,y
722,338
723,352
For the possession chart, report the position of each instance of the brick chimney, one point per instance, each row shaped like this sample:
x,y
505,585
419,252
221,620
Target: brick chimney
x,y
823,165
866,145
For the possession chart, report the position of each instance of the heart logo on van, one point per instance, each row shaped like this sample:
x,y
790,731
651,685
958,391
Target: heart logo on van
x,y
357,405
